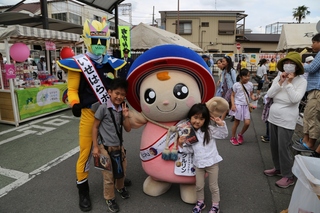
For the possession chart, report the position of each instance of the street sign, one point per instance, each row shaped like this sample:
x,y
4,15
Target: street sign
x,y
238,46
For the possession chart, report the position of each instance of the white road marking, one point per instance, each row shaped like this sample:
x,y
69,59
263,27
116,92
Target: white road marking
x,y
28,132
12,173
23,178
40,120
57,122
27,129
45,128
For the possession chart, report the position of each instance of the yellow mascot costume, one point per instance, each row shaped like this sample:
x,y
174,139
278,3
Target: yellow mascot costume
x,y
86,83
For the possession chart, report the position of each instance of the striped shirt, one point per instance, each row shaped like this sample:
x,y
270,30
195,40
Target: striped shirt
x,y
313,70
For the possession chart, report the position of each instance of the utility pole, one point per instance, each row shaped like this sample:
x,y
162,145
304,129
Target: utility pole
x,y
178,28
45,25
153,17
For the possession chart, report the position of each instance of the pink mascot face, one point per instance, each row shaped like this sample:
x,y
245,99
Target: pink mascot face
x,y
167,95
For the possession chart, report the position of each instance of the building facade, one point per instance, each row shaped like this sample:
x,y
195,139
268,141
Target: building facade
x,y
217,31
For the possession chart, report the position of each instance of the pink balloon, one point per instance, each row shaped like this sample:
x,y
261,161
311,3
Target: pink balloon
x,y
19,52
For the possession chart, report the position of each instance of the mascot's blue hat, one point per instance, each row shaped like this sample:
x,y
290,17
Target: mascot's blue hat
x,y
172,57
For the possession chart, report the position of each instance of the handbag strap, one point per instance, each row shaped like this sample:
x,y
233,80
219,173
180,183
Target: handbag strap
x,y
119,133
245,90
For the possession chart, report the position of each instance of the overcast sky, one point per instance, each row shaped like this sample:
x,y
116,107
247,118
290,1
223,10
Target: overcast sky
x,y
260,12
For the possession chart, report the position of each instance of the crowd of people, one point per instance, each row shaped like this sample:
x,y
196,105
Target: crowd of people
x,y
100,128
289,81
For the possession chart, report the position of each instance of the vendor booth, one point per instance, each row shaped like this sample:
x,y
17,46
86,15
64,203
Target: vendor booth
x,y
37,97
296,37
144,37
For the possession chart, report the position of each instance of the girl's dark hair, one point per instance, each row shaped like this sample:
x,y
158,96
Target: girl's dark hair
x,y
243,72
262,61
203,110
219,60
230,63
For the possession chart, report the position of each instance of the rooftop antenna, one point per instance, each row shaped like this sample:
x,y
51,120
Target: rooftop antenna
x,y
215,4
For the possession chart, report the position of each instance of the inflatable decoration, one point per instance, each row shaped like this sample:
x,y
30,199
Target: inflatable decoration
x,y
66,52
19,52
164,83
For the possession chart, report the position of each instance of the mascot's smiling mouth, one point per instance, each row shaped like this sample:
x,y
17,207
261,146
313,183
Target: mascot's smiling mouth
x,y
175,106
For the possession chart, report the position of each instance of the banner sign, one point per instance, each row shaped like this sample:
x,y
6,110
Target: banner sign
x,y
10,71
50,45
41,100
124,38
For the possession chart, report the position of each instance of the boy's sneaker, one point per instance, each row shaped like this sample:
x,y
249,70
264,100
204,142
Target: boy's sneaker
x,y
214,209
112,205
285,182
124,193
272,172
240,138
234,141
199,207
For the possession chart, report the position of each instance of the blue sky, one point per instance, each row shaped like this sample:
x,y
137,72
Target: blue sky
x,y
260,12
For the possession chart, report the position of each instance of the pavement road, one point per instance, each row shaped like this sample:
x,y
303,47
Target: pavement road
x,y
37,172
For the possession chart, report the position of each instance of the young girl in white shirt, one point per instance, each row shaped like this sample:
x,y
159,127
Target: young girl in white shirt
x,y
206,156
241,95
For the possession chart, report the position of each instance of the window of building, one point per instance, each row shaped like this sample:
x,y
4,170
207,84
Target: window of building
x,y
185,27
75,19
60,16
204,24
226,27
98,18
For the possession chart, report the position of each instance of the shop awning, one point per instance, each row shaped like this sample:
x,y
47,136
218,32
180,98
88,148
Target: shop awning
x,y
37,36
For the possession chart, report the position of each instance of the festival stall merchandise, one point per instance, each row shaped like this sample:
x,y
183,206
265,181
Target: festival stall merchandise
x,y
25,93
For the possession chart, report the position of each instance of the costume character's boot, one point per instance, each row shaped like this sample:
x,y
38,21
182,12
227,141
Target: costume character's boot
x,y
84,198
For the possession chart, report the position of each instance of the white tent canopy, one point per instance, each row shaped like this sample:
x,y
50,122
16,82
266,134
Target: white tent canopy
x,y
145,37
296,36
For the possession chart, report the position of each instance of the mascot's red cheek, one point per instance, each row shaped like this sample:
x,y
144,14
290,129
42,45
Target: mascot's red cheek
x,y
145,108
190,101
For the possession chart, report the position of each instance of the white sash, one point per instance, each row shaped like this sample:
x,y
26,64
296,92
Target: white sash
x,y
92,77
157,147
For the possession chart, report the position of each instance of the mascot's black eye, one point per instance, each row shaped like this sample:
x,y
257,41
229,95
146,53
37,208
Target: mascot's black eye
x,y
180,91
150,96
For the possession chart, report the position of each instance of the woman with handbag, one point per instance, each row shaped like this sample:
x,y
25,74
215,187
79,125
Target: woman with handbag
x,y
228,78
240,106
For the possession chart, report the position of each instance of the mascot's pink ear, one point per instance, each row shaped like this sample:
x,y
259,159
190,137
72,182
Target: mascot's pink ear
x,y
217,106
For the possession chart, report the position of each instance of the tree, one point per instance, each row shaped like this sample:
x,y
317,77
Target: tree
x,y
300,13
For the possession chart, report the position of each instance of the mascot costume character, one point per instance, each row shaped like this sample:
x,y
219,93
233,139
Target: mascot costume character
x,y
88,78
164,83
